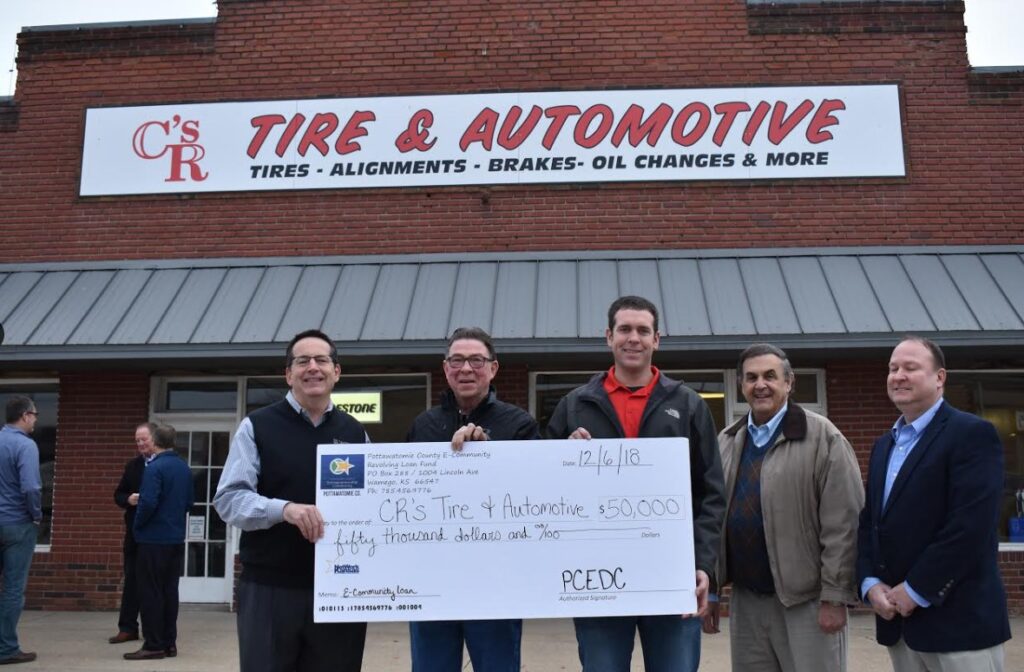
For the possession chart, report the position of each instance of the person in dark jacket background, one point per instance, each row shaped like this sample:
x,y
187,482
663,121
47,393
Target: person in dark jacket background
x,y
164,500
126,495
632,399
469,411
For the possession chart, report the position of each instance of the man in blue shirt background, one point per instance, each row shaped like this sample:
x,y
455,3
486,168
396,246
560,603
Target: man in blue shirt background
x,y
164,500
20,514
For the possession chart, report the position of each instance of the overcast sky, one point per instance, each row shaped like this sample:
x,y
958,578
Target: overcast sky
x,y
994,37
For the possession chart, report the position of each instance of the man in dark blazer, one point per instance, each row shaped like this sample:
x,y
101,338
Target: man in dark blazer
x,y
928,546
126,495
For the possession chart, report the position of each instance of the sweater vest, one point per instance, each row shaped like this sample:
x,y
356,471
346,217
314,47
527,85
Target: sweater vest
x,y
286,442
747,549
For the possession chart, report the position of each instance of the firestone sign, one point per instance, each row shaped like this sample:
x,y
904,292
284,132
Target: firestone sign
x,y
510,138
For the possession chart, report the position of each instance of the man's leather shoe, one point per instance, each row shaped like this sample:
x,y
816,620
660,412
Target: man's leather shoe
x,y
145,654
19,657
122,637
171,651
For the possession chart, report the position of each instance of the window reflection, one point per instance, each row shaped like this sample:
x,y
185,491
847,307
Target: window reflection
x,y
999,398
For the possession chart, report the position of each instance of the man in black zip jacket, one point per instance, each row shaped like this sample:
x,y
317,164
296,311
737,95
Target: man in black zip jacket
x,y
469,411
630,400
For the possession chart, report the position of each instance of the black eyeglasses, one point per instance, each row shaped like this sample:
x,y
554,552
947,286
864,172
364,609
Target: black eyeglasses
x,y
32,413
475,361
321,360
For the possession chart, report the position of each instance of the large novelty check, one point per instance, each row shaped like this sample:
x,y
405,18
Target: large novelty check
x,y
505,529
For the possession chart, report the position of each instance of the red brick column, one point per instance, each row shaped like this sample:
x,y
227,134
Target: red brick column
x,y
98,412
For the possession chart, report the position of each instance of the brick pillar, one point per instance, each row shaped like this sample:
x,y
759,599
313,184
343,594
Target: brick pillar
x,y
98,413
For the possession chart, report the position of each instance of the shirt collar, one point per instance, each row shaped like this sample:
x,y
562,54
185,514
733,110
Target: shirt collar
x,y
764,432
612,383
921,423
300,410
19,430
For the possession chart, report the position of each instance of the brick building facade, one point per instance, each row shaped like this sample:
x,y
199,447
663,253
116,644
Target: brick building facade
x,y
962,193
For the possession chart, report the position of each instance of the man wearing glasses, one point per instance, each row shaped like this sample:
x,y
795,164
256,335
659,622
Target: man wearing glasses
x,y
268,489
20,514
469,411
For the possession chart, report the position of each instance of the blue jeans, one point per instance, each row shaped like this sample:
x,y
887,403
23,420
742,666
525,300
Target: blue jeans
x,y
17,543
670,643
493,645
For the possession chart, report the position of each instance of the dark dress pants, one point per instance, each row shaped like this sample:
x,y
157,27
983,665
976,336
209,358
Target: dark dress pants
x,y
276,633
128,618
159,568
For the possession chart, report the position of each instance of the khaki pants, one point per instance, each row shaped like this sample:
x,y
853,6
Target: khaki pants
x,y
765,636
905,659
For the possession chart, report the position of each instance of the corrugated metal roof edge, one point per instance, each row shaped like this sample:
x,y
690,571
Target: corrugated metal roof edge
x,y
464,257
247,351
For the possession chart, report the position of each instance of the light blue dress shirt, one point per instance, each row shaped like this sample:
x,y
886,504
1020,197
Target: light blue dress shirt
x,y
906,435
761,434
20,485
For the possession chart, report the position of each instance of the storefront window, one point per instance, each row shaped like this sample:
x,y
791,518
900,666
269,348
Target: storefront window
x,y
184,396
45,435
403,397
999,398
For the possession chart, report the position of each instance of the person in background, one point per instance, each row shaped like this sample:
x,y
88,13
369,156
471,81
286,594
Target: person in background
x,y
126,495
160,519
21,513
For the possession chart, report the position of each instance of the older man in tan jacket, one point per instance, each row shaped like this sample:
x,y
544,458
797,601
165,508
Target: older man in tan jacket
x,y
789,545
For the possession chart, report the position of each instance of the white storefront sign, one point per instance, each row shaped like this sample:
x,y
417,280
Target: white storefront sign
x,y
505,138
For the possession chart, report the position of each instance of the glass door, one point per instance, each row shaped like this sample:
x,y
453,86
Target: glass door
x,y
208,572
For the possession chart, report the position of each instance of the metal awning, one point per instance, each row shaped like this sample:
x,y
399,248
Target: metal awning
x,y
542,302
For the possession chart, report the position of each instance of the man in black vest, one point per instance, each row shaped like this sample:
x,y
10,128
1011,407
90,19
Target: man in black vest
x,y
268,489
126,495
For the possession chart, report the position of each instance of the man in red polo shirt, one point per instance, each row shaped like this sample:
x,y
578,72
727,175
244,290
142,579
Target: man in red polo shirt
x,y
632,399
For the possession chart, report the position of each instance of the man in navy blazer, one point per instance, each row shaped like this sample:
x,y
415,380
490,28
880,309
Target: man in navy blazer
x,y
927,548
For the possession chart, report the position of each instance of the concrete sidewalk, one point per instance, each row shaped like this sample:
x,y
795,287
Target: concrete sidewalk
x,y
77,642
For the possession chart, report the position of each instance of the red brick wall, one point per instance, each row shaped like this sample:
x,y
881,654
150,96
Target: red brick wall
x,y
95,437
1011,565
961,131
858,403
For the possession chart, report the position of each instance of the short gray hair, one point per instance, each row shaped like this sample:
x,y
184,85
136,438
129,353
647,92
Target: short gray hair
x,y
759,349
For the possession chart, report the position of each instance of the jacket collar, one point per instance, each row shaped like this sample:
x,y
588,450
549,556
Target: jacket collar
x,y
448,402
594,392
794,424
929,435
595,386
